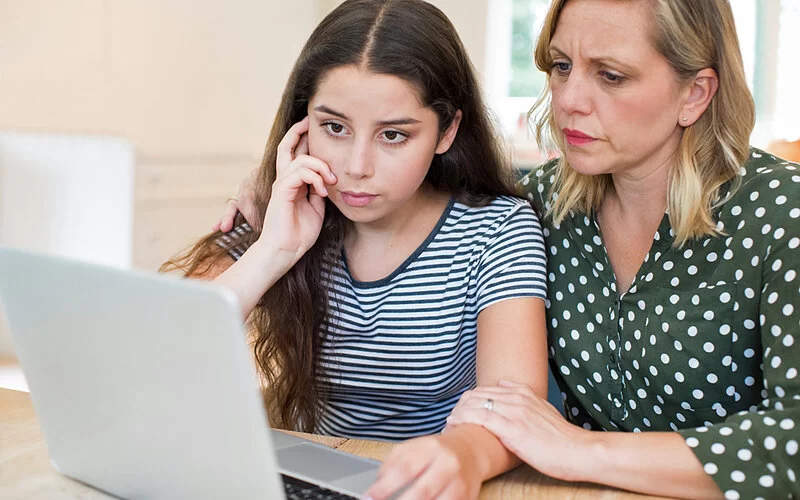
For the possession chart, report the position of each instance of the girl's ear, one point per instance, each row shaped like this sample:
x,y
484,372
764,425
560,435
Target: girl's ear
x,y
449,135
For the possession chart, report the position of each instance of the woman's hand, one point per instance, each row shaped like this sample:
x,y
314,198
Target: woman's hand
x,y
528,426
244,202
441,467
297,207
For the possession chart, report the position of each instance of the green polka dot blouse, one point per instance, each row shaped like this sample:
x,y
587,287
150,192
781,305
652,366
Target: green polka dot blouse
x,y
704,342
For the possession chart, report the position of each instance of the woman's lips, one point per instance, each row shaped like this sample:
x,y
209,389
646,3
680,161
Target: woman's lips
x,y
577,138
357,199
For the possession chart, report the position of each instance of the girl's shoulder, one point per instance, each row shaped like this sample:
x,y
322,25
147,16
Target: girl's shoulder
x,y
498,209
502,216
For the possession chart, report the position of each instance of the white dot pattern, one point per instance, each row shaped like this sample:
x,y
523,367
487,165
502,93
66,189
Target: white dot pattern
x,y
703,342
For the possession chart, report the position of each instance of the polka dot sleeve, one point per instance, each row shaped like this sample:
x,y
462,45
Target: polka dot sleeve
x,y
754,453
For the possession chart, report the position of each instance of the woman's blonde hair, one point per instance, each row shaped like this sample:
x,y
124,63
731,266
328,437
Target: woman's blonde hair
x,y
692,35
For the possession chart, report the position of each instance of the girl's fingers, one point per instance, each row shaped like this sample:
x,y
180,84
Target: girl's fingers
x,y
309,162
313,179
430,483
318,165
394,476
286,148
302,146
317,203
451,492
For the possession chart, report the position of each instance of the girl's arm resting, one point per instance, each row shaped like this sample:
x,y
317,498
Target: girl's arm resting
x,y
512,345
255,272
488,454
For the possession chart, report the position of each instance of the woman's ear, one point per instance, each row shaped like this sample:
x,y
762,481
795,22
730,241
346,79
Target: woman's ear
x,y
701,90
449,135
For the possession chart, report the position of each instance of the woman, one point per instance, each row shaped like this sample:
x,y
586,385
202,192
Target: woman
x,y
673,262
392,268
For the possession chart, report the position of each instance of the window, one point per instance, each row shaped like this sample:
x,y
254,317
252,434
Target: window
x,y
512,80
769,33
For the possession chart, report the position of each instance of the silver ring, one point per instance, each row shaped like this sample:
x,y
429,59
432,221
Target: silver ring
x,y
489,404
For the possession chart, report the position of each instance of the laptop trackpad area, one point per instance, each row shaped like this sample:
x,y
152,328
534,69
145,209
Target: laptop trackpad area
x,y
323,463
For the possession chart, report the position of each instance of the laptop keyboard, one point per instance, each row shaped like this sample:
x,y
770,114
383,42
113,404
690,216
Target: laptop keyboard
x,y
301,490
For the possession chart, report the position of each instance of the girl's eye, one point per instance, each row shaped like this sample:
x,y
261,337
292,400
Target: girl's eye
x,y
394,136
335,128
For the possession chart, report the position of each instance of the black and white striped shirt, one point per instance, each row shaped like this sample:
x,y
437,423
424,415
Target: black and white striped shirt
x,y
403,347
401,350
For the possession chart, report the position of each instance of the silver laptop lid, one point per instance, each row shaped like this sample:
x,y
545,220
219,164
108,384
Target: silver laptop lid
x,y
123,369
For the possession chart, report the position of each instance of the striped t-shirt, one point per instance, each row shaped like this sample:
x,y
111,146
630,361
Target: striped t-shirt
x,y
401,350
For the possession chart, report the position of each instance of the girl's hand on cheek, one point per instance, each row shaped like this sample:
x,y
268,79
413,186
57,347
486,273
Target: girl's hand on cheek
x,y
428,467
297,207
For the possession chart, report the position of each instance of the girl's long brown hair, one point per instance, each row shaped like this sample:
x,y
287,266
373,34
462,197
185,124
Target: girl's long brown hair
x,y
410,39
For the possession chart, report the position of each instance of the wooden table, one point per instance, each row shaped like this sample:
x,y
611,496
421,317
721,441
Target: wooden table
x,y
25,470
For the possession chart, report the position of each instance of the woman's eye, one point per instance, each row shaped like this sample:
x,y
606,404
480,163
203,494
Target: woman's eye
x,y
561,67
612,77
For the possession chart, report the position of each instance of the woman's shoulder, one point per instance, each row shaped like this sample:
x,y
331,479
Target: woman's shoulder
x,y
768,180
760,164
536,185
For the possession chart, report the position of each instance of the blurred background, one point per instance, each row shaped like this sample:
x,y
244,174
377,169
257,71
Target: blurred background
x,y
125,124
188,90
188,87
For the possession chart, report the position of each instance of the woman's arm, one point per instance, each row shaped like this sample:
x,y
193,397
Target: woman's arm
x,y
657,463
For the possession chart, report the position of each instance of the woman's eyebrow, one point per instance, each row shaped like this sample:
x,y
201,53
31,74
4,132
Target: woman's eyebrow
x,y
607,60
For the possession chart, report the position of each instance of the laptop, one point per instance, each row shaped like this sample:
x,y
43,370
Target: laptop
x,y
145,388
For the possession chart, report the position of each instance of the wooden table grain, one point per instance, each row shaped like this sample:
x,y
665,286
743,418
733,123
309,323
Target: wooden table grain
x,y
26,473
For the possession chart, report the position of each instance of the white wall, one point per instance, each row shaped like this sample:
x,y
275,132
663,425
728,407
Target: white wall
x,y
70,196
468,16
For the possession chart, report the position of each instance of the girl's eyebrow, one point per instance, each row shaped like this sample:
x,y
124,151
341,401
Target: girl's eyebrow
x,y
400,121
